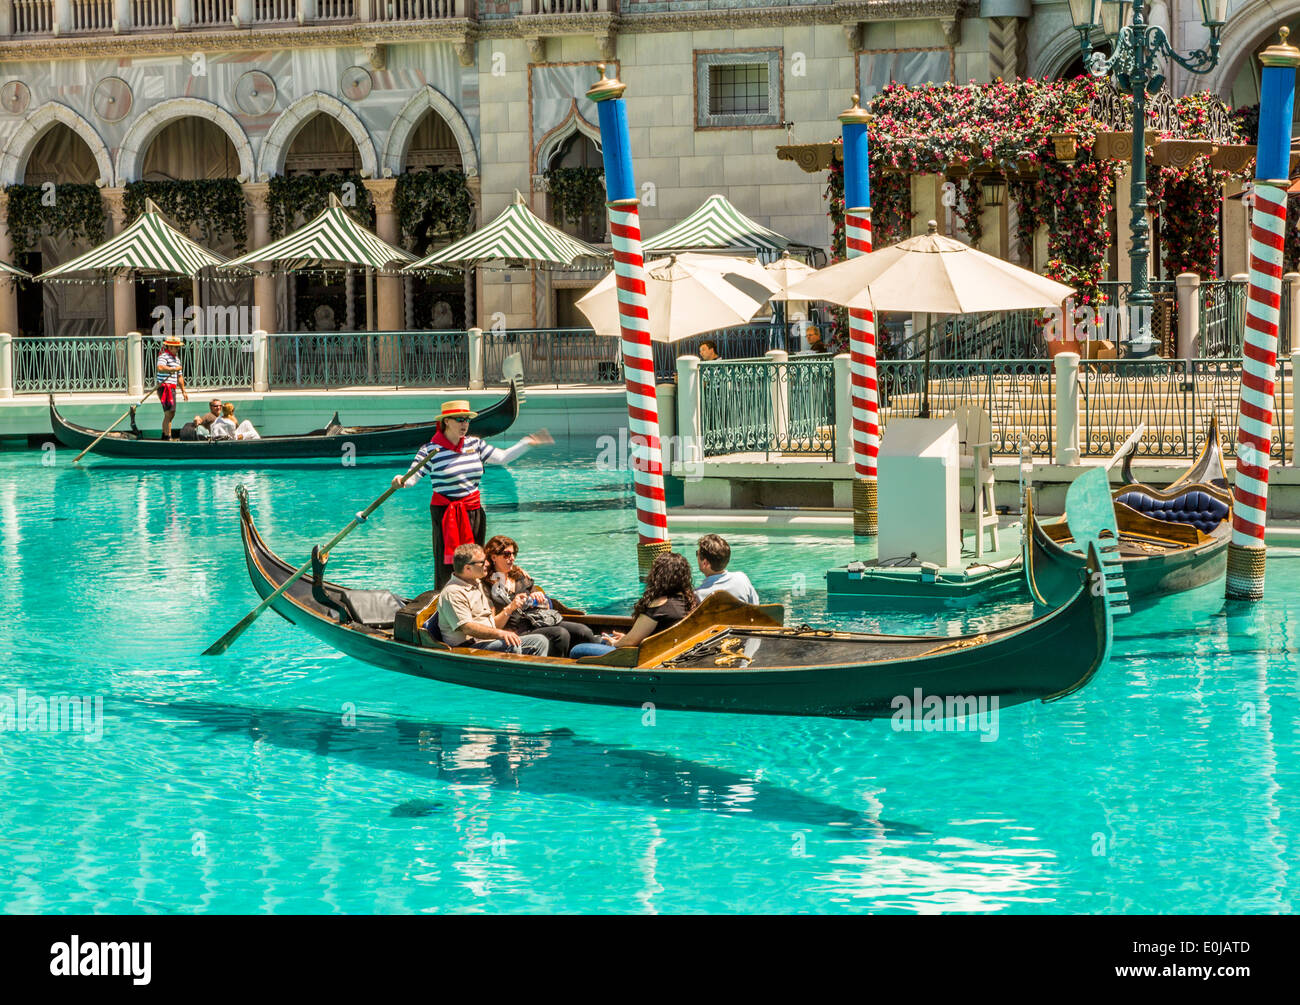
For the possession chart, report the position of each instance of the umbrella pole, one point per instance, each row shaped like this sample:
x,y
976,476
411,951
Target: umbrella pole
x,y
925,394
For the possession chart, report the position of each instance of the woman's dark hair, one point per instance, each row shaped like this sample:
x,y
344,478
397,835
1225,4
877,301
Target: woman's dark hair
x,y
499,545
669,576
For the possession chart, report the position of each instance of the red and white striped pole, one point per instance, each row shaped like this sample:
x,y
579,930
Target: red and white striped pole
x,y
1246,550
864,393
633,321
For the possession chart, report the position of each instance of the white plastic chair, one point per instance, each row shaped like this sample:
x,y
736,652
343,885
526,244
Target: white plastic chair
x,y
975,433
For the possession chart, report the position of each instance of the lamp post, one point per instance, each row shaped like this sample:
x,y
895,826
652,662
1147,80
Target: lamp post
x,y
1133,62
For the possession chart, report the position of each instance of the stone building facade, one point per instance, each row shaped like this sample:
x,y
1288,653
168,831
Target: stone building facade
x,y
113,91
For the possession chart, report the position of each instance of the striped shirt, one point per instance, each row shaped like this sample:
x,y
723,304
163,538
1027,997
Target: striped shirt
x,y
456,474
167,358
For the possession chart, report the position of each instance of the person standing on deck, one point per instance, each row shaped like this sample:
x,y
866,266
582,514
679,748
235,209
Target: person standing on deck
x,y
454,461
170,374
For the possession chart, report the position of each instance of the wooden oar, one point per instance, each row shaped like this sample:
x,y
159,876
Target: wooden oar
x,y
224,643
147,396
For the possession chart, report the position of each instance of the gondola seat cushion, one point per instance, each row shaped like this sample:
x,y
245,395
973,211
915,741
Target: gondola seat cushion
x,y
1200,509
406,622
374,608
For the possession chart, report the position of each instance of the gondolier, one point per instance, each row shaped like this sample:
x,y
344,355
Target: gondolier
x,y
170,375
454,461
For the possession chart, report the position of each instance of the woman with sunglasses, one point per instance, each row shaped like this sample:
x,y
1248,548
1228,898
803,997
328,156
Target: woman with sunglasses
x,y
533,614
454,461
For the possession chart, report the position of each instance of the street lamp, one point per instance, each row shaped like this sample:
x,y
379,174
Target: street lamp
x,y
1133,64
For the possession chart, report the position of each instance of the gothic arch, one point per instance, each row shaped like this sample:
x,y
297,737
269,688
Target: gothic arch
x,y
19,148
130,156
1055,55
399,136
573,123
279,137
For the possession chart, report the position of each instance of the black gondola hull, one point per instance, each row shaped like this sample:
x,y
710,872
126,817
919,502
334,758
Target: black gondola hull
x,y
855,677
361,441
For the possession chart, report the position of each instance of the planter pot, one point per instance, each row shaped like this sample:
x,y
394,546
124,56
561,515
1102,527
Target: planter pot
x,y
1066,146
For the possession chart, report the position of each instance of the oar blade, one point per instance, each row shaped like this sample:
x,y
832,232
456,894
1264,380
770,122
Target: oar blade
x,y
225,642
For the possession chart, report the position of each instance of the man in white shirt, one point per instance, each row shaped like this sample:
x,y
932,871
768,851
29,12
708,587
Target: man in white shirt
x,y
713,553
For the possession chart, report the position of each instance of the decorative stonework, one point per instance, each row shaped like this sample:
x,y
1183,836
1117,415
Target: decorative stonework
x,y
427,99
377,56
115,201
130,156
383,191
811,157
255,197
276,142
13,163
537,50
1008,47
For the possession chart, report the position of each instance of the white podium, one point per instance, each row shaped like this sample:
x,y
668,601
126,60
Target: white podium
x,y
917,497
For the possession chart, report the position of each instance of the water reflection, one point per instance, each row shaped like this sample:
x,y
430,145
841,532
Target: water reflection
x,y
540,763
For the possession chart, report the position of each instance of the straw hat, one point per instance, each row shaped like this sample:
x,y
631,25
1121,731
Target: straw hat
x,y
456,410
173,340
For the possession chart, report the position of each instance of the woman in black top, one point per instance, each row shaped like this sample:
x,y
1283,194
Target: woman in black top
x,y
669,596
505,581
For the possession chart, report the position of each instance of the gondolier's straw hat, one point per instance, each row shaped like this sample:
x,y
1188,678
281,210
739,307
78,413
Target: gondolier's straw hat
x,y
456,410
173,340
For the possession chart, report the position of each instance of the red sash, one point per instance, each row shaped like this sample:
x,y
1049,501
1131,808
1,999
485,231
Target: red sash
x,y
167,395
456,529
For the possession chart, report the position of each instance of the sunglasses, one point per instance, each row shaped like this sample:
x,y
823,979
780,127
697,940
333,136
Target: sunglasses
x,y
508,554
481,561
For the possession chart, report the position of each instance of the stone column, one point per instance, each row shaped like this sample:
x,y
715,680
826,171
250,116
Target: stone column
x,y
135,364
259,236
8,292
779,388
388,299
1291,293
843,412
6,365
688,404
261,363
1188,285
1236,229
474,343
1295,412
123,289
1067,407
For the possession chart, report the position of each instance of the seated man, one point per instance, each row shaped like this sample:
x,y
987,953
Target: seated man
x,y
465,612
713,553
202,424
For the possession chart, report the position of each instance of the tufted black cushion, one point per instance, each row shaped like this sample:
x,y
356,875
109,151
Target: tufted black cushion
x,y
1200,509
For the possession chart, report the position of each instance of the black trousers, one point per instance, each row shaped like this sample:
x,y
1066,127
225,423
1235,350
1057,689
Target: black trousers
x,y
562,637
477,523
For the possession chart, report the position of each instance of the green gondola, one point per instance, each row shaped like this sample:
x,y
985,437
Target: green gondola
x,y
724,657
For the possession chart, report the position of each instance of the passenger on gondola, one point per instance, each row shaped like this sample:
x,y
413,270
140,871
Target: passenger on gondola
x,y
669,596
506,581
170,375
201,426
465,615
227,427
454,462
713,554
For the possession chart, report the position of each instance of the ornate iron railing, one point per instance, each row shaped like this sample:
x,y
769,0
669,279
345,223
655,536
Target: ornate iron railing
x,y
770,407
1003,335
42,365
209,361
1223,317
1176,399
1018,394
364,359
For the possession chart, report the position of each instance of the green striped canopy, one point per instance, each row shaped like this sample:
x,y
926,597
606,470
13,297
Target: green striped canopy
x,y
13,270
718,225
331,241
150,244
515,239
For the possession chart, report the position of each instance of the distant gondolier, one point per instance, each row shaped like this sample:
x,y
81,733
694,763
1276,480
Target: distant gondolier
x,y
170,376
454,462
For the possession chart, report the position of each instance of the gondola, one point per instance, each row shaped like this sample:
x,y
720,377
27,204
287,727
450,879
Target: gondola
x,y
1170,540
367,441
724,657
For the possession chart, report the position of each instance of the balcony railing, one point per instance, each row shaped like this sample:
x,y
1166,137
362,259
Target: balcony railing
x,y
570,6
33,17
275,11
92,15
151,13
335,10
417,10
213,13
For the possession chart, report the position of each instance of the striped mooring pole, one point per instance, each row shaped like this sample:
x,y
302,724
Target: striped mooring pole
x,y
1245,579
863,391
633,322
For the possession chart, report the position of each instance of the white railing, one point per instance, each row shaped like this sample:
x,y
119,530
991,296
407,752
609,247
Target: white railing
x,y
335,10
416,10
213,12
33,17
569,6
92,15
151,13
275,10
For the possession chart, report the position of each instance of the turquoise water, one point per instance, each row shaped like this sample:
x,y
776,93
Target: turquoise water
x,y
283,777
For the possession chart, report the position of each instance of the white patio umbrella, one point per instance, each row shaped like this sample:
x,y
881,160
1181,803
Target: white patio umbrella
x,y
788,272
687,294
931,274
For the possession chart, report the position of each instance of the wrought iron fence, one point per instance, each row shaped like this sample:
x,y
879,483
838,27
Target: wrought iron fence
x,y
42,365
1223,317
765,406
1176,399
209,361
1003,335
368,359
1018,394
